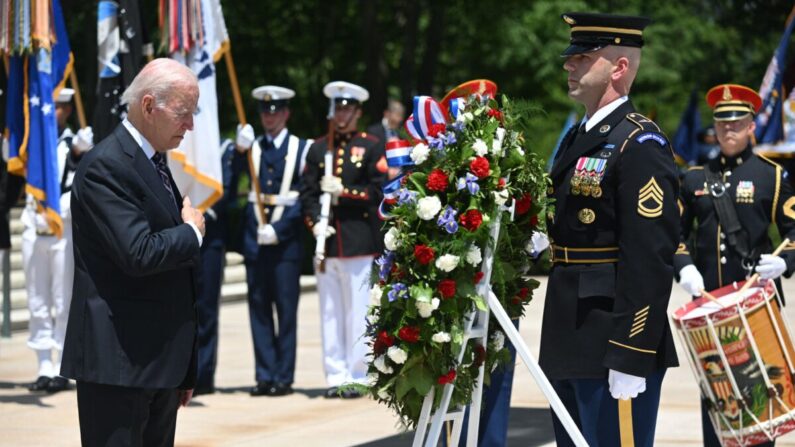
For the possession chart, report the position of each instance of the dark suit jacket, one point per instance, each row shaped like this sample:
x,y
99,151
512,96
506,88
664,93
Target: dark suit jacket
x,y
132,320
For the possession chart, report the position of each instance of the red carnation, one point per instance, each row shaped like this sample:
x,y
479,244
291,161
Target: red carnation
x,y
435,129
480,356
480,167
447,378
516,300
478,277
523,292
409,334
471,220
523,204
382,341
423,254
494,113
501,183
447,288
437,180
534,221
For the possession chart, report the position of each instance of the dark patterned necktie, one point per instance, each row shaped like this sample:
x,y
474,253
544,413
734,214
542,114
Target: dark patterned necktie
x,y
162,168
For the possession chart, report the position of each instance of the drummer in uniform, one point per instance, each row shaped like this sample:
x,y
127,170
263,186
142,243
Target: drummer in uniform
x,y
353,178
605,338
272,245
751,191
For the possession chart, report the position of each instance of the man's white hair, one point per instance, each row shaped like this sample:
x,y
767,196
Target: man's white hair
x,y
159,79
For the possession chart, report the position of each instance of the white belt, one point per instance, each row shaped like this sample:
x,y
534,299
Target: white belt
x,y
275,199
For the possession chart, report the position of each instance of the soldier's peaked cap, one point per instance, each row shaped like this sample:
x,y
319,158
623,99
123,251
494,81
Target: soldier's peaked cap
x,y
344,93
272,97
592,31
730,102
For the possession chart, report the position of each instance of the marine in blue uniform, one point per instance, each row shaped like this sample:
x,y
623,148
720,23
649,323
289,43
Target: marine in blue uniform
x,y
213,254
709,255
605,339
272,244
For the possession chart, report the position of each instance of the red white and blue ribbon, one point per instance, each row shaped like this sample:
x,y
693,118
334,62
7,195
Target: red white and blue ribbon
x,y
456,107
426,113
398,154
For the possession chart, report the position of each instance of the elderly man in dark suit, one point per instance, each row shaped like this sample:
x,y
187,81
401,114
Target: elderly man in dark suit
x,y
130,340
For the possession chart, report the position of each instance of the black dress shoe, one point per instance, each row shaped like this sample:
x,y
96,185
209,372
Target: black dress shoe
x,y
40,384
351,394
57,384
280,389
201,390
261,389
332,393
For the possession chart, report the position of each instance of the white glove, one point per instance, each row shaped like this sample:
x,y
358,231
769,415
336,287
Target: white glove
x,y
771,266
331,185
6,149
330,231
42,226
538,243
245,137
83,140
625,386
266,235
691,280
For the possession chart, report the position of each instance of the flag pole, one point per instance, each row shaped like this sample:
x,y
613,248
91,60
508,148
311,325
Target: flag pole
x,y
81,113
241,117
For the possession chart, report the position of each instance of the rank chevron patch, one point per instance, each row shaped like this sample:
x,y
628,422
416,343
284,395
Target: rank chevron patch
x,y
650,199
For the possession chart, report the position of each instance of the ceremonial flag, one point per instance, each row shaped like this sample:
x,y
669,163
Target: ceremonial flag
x,y
35,78
769,121
685,141
123,49
570,121
196,164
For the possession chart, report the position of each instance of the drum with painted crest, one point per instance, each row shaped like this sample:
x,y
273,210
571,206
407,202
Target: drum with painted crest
x,y
741,352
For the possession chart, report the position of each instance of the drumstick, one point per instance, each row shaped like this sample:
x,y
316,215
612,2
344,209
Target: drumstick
x,y
755,276
711,297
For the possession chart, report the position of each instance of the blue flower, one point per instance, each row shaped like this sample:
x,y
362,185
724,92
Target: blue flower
x,y
470,182
384,262
399,290
458,126
436,143
447,220
450,139
405,196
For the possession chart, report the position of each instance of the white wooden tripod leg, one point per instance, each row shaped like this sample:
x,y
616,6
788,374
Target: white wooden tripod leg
x,y
535,371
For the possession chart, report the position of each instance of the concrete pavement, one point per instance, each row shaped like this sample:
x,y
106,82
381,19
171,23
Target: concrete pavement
x,y
232,418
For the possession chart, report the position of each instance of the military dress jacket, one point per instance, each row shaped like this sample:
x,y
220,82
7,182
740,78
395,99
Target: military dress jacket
x,y
358,159
613,233
761,194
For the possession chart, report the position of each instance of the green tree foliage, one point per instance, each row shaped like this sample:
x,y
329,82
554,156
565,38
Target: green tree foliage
x,y
399,48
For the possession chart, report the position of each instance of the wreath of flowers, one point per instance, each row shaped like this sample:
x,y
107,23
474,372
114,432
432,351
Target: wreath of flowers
x,y
470,166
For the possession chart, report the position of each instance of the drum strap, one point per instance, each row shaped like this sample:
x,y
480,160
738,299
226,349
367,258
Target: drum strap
x,y
736,235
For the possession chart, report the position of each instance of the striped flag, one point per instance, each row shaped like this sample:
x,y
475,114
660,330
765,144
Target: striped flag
x,y
769,121
198,35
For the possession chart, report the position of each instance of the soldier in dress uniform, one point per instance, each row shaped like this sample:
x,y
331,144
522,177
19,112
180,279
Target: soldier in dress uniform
x,y
47,259
349,166
272,244
726,246
605,339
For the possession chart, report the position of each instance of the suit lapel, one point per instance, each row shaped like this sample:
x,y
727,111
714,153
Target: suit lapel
x,y
582,144
146,170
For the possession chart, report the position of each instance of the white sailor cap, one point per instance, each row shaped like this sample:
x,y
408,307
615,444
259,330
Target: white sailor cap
x,y
65,95
272,97
344,93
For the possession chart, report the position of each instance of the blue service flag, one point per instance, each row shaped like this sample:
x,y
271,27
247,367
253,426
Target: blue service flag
x,y
570,121
769,122
686,143
34,81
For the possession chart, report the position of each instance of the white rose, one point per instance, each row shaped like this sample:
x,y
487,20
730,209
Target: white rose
x,y
419,153
500,134
426,308
380,364
497,340
397,355
372,379
390,239
375,295
496,147
467,117
428,207
441,337
500,197
474,256
447,263
480,148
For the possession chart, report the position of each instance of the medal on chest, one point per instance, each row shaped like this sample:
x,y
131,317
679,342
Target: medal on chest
x,y
745,191
587,177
